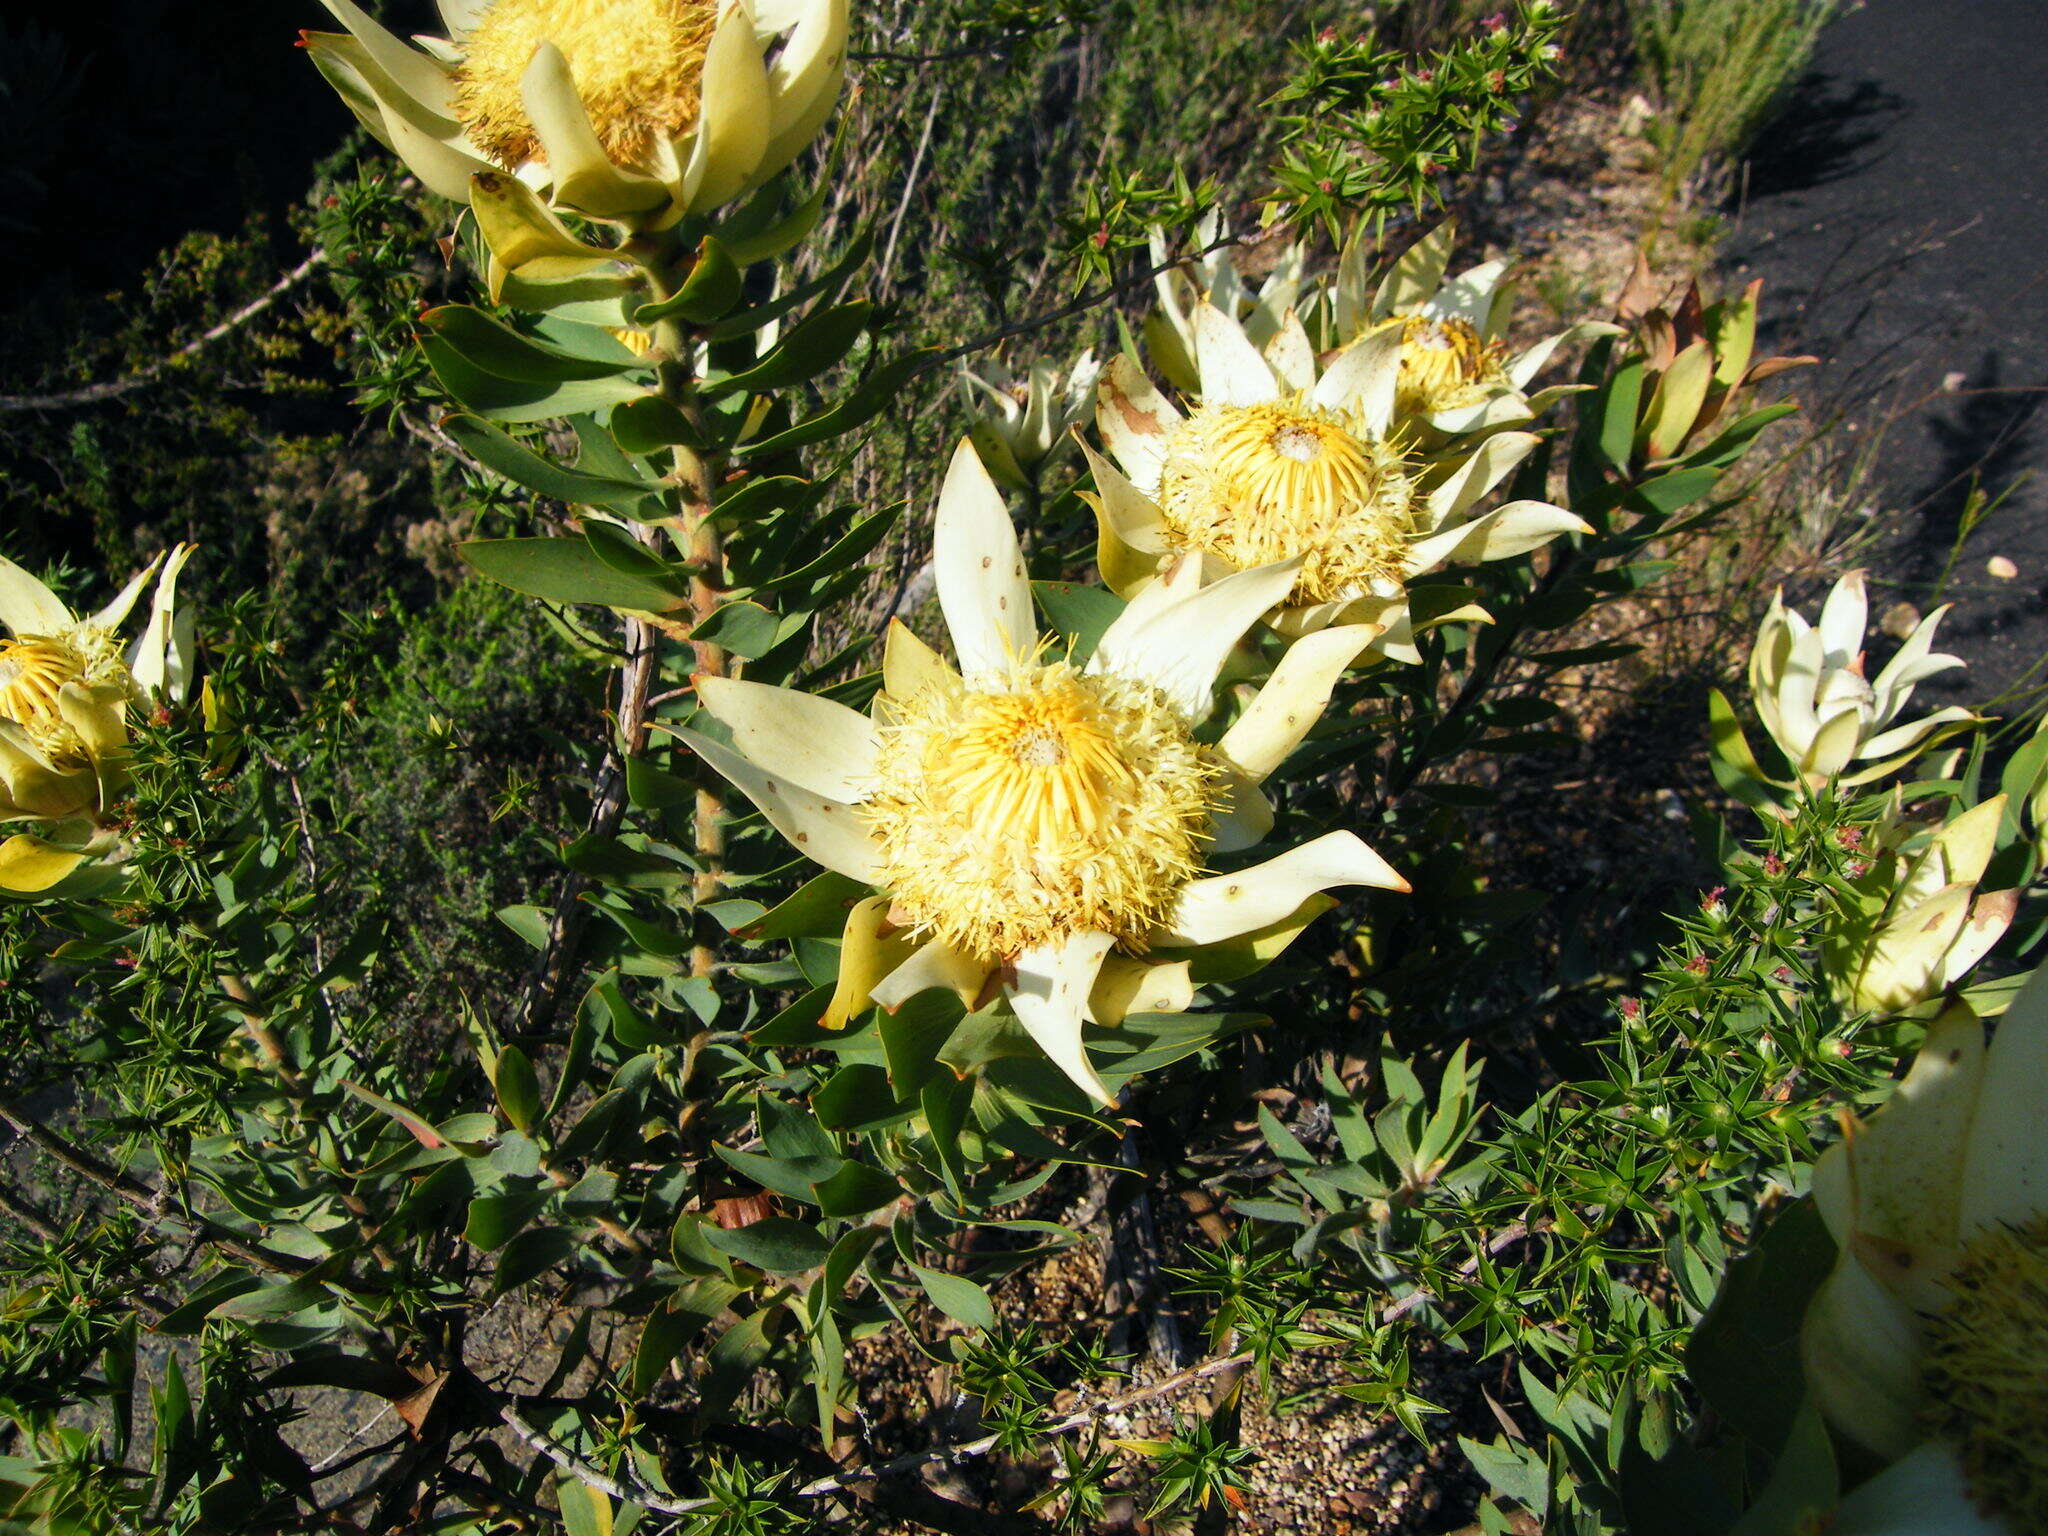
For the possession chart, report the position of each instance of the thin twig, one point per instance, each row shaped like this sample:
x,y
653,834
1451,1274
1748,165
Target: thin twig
x,y
1086,302
81,1162
111,389
591,1477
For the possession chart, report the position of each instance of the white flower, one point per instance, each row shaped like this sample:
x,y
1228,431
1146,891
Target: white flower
x,y
1918,925
1812,697
1457,374
1932,1329
1021,422
1037,830
637,111
1285,458
66,687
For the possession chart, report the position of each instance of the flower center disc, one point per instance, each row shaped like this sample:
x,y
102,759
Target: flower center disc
x,y
1257,483
1023,809
1445,365
638,65
32,674
1983,1388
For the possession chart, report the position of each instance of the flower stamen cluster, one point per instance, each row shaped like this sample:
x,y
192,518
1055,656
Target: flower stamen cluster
x,y
1446,365
1253,484
638,67
1983,1387
1016,810
33,673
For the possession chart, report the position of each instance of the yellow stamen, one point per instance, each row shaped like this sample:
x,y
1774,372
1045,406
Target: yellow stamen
x,y
1254,484
637,64
1983,1388
1446,365
33,673
1023,809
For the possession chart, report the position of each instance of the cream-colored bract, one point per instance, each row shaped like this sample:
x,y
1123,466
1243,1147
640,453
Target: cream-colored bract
x,y
1035,829
1830,722
1295,458
634,111
66,686
1929,1333
1916,924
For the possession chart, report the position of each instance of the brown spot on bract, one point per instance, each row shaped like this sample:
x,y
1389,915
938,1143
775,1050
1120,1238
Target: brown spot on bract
x,y
987,561
1233,890
769,785
802,838
1136,419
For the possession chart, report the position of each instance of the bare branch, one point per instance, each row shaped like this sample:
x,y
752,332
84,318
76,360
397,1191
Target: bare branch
x,y
112,389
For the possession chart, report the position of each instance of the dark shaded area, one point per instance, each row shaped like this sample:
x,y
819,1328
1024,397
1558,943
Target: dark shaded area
x,y
1827,131
1896,214
144,119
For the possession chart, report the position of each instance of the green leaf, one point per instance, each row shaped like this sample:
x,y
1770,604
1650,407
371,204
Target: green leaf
x,y
570,571
757,496
687,1313
496,349
777,1244
651,424
1667,493
858,1097
825,287
585,1511
958,1297
791,1130
422,1132
711,289
190,1315
913,1035
494,1220
518,1088
273,1301
517,400
873,395
748,239
1513,1474
855,1190
747,629
1077,611
1616,403
532,1254
818,342
1744,1355
817,910
733,1359
795,1177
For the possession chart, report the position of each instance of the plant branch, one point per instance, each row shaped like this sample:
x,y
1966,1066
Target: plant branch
x,y
112,389
69,1154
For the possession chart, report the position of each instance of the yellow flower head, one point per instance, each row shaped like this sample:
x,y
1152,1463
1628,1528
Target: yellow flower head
x,y
33,674
1021,818
1985,1388
1446,365
638,66
635,112
1291,455
1034,805
1253,484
